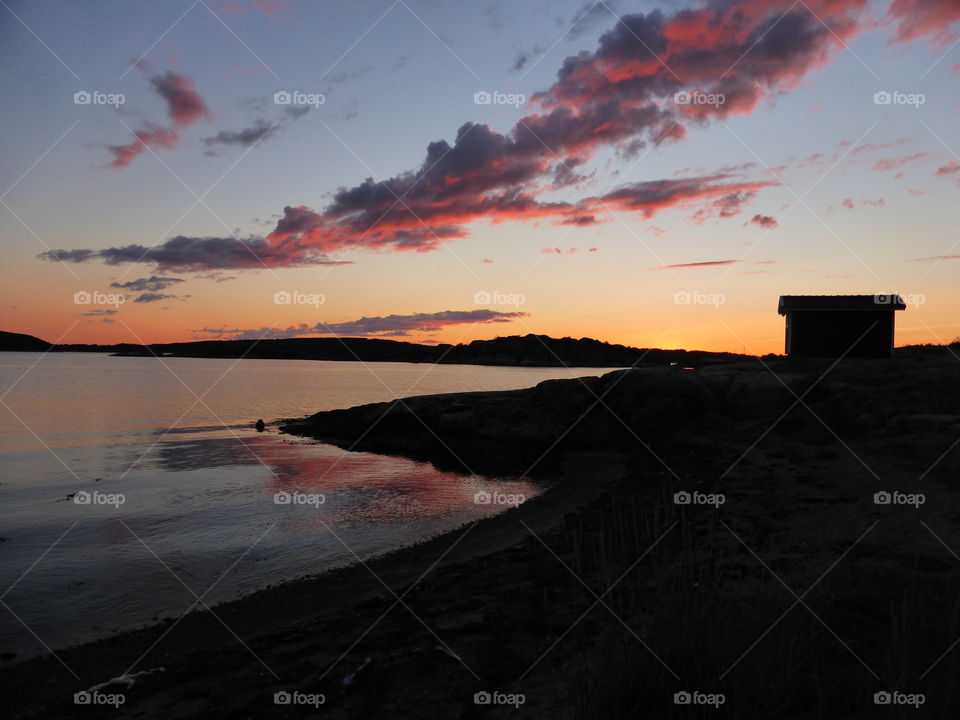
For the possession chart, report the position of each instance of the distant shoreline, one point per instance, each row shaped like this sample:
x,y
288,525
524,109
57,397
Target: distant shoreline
x,y
514,351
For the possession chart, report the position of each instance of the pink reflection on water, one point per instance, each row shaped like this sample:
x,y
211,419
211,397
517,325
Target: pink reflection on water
x,y
359,488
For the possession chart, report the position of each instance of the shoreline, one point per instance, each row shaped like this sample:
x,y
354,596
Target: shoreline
x,y
607,586
256,619
528,351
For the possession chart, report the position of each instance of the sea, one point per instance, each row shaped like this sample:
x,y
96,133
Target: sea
x,y
129,487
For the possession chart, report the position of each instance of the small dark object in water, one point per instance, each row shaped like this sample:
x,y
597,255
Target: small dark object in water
x,y
260,425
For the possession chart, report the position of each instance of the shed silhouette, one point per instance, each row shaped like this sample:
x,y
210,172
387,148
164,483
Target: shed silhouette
x,y
840,325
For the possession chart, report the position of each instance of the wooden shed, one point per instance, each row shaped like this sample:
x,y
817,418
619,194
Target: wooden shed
x,y
840,325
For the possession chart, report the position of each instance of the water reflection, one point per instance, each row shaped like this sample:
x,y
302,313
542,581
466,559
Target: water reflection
x,y
200,496
202,503
357,487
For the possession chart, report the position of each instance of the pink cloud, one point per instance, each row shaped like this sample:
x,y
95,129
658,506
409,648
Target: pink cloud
x,y
919,18
850,203
185,107
618,96
701,264
894,163
376,326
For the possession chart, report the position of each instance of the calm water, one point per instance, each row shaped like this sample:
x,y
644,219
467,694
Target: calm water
x,y
183,490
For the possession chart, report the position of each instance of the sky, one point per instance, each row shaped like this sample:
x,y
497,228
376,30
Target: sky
x,y
655,174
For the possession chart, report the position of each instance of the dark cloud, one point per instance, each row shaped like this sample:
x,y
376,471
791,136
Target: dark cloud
x,y
296,111
726,206
565,174
304,237
401,325
154,283
216,276
764,221
589,16
581,220
524,57
703,263
74,256
184,104
619,96
725,192
152,297
188,254
383,326
258,132
244,138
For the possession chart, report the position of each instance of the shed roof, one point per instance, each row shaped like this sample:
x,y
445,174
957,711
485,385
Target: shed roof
x,y
880,301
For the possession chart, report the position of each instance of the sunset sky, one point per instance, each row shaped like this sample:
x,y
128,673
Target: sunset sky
x,y
647,173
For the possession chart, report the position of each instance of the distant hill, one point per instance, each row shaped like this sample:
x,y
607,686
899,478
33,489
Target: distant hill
x,y
366,349
523,351
545,351
18,342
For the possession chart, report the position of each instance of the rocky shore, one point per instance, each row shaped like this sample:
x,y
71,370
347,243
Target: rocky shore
x,y
740,533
